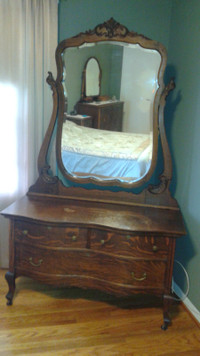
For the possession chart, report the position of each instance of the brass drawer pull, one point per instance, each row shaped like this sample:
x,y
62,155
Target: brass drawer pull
x,y
139,279
35,264
102,242
25,232
74,238
155,248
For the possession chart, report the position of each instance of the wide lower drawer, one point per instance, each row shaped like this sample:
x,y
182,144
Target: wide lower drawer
x,y
87,263
38,234
130,244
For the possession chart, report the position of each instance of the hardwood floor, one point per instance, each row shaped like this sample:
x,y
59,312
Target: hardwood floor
x,y
46,321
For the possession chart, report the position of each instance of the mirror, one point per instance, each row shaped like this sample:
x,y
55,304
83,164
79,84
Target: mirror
x,y
112,89
91,80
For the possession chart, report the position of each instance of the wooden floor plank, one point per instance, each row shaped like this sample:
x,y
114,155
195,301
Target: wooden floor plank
x,y
46,321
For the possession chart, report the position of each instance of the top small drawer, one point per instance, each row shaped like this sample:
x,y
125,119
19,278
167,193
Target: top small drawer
x,y
54,236
130,245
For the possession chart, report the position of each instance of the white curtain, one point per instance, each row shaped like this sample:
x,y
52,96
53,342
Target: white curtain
x,y
28,41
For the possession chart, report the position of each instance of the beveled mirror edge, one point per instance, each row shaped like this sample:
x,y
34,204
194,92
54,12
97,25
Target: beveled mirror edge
x,y
48,185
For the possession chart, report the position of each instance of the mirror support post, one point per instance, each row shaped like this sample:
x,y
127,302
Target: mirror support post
x,y
43,165
166,176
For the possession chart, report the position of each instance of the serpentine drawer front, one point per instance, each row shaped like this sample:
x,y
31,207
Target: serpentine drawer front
x,y
130,244
138,261
49,235
87,263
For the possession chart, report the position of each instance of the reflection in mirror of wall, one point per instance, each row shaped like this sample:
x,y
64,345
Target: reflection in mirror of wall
x,y
129,80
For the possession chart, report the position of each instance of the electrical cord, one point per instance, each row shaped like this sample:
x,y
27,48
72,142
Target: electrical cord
x,y
194,311
188,284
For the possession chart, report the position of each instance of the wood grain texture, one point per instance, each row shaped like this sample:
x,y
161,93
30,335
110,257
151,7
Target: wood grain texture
x,y
45,321
95,214
91,265
114,249
129,244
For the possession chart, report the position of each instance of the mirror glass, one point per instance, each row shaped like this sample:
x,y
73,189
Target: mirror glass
x,y
110,138
91,78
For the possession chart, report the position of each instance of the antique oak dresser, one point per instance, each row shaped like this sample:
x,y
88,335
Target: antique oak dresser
x,y
117,233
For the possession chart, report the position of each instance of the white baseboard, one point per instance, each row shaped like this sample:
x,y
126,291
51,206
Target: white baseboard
x,y
192,309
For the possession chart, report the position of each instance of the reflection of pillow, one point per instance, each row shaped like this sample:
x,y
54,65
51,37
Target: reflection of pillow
x,y
69,125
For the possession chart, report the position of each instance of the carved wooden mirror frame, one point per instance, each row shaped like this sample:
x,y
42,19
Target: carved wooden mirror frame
x,y
49,185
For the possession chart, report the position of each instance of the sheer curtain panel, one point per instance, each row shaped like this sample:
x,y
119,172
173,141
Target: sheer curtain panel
x,y
27,46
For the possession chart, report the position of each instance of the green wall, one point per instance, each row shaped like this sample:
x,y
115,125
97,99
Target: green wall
x,y
176,24
149,17
184,60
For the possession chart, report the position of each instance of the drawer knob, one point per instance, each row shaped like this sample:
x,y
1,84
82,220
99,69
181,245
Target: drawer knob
x,y
35,264
25,232
144,276
74,238
155,248
102,242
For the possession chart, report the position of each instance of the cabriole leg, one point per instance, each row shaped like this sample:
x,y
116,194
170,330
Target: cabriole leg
x,y
166,318
10,278
167,321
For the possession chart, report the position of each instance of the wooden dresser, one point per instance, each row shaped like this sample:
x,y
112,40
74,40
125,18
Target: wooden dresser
x,y
106,115
117,249
112,234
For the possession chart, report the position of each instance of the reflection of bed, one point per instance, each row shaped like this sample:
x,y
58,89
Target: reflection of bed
x,y
90,152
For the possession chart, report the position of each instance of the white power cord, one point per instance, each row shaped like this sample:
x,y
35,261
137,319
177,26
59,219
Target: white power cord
x,y
195,312
187,280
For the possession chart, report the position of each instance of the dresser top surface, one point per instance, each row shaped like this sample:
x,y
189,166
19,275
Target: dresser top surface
x,y
102,215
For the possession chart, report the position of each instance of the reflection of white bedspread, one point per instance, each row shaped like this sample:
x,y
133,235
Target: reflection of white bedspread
x,y
93,152
103,143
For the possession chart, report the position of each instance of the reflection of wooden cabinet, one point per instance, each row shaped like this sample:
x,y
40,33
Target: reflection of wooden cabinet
x,y
106,116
